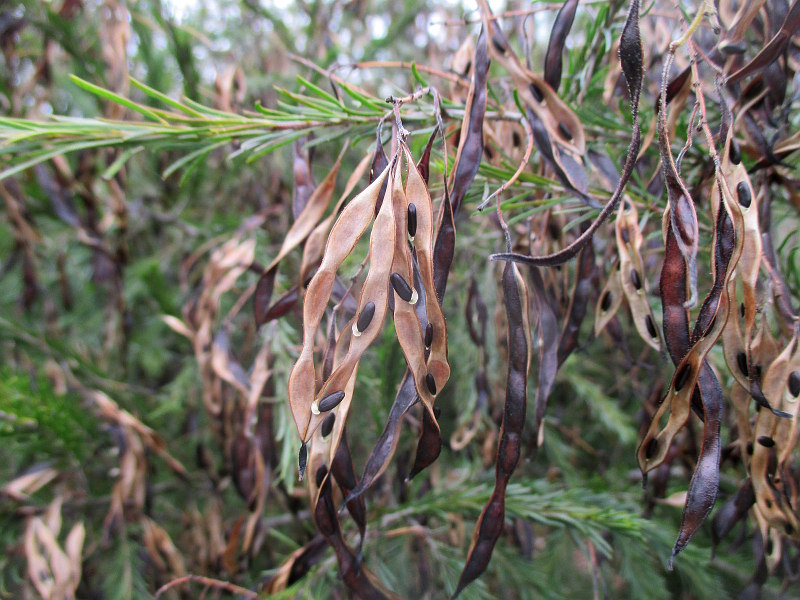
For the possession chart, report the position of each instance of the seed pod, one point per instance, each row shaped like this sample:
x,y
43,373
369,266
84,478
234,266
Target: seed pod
x,y
651,327
364,319
766,441
636,280
331,401
682,376
794,383
743,193
741,360
401,286
412,220
431,383
327,425
429,336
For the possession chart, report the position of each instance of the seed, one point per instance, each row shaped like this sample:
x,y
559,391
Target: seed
x,y
788,528
794,383
651,327
743,192
428,335
682,376
652,446
321,472
437,411
564,130
624,233
302,459
365,318
741,360
516,140
412,220
766,441
757,372
605,301
498,43
736,155
431,383
537,93
627,205
331,401
750,448
636,280
741,309
327,424
401,286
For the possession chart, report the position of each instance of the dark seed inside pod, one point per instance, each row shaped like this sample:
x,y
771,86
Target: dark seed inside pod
x,y
605,301
428,335
652,446
537,93
320,475
794,383
757,372
636,280
365,318
327,424
741,309
564,130
750,448
401,286
766,441
624,233
499,44
437,411
651,327
788,528
516,140
627,205
431,383
741,360
412,219
743,192
331,401
682,377
302,460
736,154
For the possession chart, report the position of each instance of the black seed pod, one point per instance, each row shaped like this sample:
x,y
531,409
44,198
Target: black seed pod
x,y
564,130
428,335
766,441
741,360
636,280
605,301
302,460
412,219
365,318
651,327
652,446
331,401
401,286
743,192
736,154
431,383
794,383
682,377
327,424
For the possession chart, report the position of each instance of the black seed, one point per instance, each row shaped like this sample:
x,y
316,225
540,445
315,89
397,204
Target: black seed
x,y
636,280
499,44
757,372
428,335
651,327
605,301
401,286
331,401
624,233
769,543
564,130
788,528
741,309
682,376
321,472
766,441
652,446
327,424
794,383
431,383
302,459
365,318
412,219
437,411
627,205
750,447
515,139
736,155
537,93
768,546
743,192
741,360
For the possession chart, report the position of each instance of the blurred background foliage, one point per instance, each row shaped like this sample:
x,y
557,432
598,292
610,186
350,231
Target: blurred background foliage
x,y
117,242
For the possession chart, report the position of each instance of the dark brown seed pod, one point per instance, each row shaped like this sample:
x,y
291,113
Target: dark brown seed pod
x,y
327,425
651,327
431,383
682,376
794,383
652,446
331,401
736,154
741,360
365,318
766,441
412,220
428,335
743,193
605,301
401,286
636,280
302,460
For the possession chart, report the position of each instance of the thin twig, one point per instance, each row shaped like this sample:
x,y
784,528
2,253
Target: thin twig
x,y
208,582
523,163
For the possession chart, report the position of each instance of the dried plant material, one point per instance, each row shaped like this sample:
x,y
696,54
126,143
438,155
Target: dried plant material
x,y
609,301
555,47
30,482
